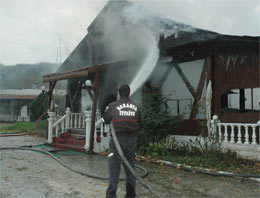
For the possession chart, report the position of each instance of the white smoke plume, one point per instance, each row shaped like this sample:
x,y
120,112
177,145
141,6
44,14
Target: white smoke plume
x,y
133,34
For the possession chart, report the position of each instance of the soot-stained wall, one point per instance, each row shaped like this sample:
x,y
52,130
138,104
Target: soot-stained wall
x,y
236,68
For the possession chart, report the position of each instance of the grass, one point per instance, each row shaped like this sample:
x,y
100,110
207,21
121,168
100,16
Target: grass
x,y
215,161
233,164
227,162
17,127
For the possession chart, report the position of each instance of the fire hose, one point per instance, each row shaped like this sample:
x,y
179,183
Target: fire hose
x,y
120,152
124,160
65,165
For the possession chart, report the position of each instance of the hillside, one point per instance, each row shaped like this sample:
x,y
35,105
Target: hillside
x,y
24,75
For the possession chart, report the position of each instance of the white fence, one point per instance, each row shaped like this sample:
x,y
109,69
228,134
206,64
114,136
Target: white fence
x,y
243,138
237,133
79,121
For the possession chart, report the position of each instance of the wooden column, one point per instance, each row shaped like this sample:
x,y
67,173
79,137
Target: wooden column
x,y
73,94
51,87
199,89
252,99
242,99
209,71
94,108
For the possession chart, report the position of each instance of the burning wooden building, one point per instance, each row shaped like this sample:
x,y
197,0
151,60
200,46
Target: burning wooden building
x,y
183,61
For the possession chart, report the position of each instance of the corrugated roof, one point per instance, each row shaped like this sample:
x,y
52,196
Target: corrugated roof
x,y
25,94
19,97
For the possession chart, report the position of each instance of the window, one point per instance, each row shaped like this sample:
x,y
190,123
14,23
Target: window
x,y
241,100
5,107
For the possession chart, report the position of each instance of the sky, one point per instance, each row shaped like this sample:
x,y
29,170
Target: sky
x,y
33,31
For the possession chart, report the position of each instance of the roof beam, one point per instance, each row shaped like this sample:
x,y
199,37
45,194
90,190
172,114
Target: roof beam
x,y
65,75
207,65
185,80
81,73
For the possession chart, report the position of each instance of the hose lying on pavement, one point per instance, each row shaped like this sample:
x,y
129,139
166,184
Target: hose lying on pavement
x,y
211,173
145,172
124,160
14,134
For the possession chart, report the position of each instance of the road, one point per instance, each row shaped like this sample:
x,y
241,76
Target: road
x,y
26,174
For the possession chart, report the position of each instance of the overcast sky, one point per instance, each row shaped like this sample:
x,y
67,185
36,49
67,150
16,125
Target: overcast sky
x,y
30,29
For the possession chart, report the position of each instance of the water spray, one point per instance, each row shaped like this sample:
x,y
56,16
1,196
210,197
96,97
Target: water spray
x,y
148,65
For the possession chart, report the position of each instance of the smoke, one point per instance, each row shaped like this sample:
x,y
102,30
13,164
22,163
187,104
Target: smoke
x,y
131,32
130,35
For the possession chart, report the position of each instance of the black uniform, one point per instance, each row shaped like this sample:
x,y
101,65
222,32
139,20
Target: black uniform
x,y
125,115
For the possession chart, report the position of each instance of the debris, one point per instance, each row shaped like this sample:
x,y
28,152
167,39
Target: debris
x,y
6,177
21,168
223,185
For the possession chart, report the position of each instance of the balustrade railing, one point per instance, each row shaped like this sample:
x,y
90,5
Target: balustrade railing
x,y
237,133
76,121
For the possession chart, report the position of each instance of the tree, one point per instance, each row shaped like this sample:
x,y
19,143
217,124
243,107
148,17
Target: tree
x,y
39,105
156,121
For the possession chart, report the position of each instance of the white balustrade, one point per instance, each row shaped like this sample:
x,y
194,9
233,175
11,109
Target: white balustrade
x,y
239,135
249,131
232,135
76,120
68,112
254,135
226,133
88,128
50,126
246,135
219,132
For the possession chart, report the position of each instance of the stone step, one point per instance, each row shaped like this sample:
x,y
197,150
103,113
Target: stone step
x,y
77,131
79,136
69,140
74,147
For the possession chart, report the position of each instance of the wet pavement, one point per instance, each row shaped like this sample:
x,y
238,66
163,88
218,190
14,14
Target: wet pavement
x,y
29,174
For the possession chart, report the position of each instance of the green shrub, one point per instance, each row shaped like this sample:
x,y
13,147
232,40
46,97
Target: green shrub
x,y
156,123
41,127
158,149
39,105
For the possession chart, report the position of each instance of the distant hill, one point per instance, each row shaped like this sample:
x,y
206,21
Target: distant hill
x,y
24,75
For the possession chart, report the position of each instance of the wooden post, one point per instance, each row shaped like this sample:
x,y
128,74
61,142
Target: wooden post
x,y
242,99
252,99
94,108
70,100
51,87
199,89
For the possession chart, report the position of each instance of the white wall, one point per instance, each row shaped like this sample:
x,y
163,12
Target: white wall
x,y
6,118
175,88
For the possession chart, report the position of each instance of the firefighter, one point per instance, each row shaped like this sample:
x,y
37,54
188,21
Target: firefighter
x,y
124,115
